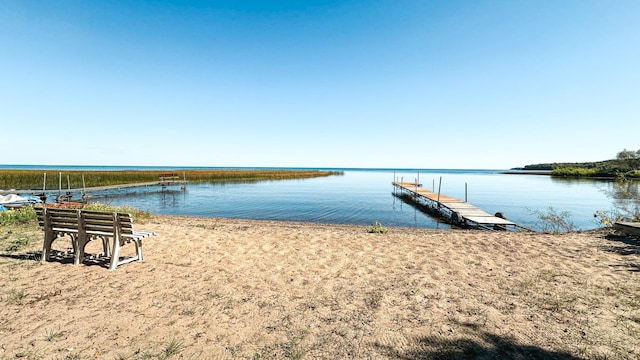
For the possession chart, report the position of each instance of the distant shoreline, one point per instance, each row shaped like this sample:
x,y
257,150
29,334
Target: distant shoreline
x,y
527,172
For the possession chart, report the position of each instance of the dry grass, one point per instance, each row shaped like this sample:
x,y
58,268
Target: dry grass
x,y
240,289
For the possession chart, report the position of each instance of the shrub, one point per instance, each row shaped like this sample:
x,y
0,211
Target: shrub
x,y
377,228
574,172
20,215
554,221
608,218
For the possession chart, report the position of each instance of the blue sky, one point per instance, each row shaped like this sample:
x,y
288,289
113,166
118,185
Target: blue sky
x,y
319,83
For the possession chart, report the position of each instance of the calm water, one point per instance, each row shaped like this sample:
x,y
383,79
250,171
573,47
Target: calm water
x,y
363,196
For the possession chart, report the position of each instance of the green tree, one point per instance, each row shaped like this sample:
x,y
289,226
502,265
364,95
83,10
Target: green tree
x,y
629,158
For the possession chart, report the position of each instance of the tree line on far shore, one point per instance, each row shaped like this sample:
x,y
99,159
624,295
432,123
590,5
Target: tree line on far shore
x,y
626,165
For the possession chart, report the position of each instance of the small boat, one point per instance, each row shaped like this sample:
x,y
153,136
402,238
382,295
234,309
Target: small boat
x,y
12,201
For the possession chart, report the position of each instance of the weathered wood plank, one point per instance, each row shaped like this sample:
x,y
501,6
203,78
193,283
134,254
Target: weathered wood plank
x,y
629,228
489,220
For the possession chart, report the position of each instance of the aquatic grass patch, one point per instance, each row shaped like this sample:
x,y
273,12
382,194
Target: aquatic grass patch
x,y
135,213
291,348
172,348
19,215
15,296
188,311
17,236
18,242
377,228
76,179
51,335
29,354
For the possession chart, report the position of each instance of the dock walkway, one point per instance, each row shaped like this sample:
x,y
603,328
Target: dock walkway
x,y
453,211
163,184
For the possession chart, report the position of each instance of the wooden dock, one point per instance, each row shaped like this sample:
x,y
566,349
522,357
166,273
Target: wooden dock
x,y
93,188
164,180
628,228
452,211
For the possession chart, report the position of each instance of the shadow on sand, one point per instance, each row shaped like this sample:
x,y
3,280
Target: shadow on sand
x,y
61,257
626,246
485,346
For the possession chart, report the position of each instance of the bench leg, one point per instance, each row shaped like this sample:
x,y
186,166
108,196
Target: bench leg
x,y
46,247
139,249
79,245
106,251
115,254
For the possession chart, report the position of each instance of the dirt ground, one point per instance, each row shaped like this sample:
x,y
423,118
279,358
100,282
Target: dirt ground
x,y
245,289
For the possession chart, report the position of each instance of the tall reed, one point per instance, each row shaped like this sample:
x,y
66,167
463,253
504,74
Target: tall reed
x,y
34,179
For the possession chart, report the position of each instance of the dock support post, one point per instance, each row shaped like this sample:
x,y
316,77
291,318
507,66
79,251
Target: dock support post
x,y
465,192
439,188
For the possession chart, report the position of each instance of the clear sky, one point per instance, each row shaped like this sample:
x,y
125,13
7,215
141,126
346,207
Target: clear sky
x,y
318,83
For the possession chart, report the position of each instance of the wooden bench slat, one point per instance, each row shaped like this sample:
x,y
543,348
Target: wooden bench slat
x,y
108,229
98,222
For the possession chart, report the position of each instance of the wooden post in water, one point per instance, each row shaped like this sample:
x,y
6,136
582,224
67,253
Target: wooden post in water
x,y
439,188
395,188
465,192
60,184
68,197
85,196
44,183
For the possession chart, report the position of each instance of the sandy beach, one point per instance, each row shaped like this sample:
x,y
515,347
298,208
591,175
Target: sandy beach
x,y
246,289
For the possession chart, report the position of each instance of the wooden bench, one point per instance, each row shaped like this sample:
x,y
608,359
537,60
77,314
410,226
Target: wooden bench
x,y
114,229
168,177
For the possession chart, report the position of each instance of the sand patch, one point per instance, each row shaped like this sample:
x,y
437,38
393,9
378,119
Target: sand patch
x,y
222,288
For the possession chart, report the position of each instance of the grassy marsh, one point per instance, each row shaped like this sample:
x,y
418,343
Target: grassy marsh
x,y
33,179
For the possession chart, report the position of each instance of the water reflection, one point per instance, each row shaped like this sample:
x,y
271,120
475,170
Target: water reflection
x,y
362,197
420,208
625,197
586,181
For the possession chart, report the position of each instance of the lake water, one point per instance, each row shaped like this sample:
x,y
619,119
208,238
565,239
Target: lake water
x,y
363,196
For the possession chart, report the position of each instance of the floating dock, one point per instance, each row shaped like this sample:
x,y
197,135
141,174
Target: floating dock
x,y
452,211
